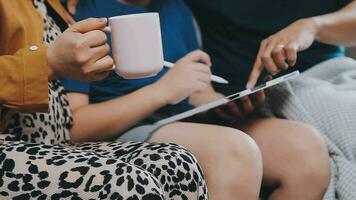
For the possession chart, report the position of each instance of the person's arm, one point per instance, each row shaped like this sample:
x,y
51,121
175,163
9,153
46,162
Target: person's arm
x,y
279,51
107,120
24,79
338,28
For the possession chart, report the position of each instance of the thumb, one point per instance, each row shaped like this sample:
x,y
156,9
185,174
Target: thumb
x,y
89,24
255,74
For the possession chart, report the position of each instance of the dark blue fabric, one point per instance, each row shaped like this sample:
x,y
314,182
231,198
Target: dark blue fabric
x,y
178,35
233,29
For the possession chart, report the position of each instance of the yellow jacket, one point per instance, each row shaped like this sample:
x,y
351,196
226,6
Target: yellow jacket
x,y
23,63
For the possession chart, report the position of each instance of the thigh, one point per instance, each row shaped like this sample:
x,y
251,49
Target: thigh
x,y
29,171
203,139
285,145
175,167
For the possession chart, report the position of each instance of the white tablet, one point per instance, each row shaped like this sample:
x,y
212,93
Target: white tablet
x,y
222,101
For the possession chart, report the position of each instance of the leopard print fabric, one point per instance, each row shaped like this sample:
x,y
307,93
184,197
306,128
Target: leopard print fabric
x,y
37,162
115,170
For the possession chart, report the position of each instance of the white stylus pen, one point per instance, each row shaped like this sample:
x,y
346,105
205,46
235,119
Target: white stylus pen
x,y
214,78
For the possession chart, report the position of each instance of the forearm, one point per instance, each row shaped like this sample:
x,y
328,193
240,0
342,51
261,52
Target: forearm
x,y
106,121
338,28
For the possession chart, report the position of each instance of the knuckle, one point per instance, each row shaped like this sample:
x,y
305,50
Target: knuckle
x,y
81,58
204,67
264,42
91,20
101,35
274,71
199,51
205,54
78,44
87,70
107,48
290,48
266,57
275,52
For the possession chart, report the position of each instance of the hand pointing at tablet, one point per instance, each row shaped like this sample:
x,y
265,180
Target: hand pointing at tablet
x,y
279,51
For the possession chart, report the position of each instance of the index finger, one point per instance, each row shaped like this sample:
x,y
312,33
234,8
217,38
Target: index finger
x,y
257,67
255,73
89,24
72,6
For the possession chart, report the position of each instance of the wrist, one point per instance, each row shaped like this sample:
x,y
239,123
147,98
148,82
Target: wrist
x,y
52,72
315,25
159,94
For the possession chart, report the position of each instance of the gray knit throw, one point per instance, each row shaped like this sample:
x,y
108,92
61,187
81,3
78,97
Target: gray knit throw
x,y
325,97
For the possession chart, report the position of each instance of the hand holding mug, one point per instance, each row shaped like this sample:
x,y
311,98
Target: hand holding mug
x,y
186,78
81,52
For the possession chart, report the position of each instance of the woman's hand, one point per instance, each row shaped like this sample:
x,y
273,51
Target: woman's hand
x,y
279,51
81,52
237,110
191,74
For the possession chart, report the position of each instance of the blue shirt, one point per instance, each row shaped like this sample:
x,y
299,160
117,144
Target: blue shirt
x,y
233,29
178,37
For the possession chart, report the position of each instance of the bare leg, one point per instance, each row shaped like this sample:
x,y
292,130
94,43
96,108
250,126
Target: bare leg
x,y
230,159
295,158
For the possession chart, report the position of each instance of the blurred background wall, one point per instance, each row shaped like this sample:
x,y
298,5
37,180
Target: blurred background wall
x,y
352,52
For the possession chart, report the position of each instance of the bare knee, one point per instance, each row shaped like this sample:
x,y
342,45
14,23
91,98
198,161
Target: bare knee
x,y
246,156
210,142
238,159
241,148
309,156
230,159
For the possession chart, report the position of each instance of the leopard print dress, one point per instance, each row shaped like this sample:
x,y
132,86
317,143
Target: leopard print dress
x,y
38,162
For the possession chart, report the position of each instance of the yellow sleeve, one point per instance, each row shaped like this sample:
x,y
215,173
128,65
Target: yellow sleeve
x,y
24,80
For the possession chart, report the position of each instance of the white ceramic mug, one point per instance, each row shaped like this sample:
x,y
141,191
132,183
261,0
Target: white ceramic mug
x,y
137,45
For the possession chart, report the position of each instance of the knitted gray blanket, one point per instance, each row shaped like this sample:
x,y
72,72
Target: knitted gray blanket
x,y
325,97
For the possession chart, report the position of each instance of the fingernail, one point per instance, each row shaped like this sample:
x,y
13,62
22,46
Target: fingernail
x,y
72,10
103,19
249,85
